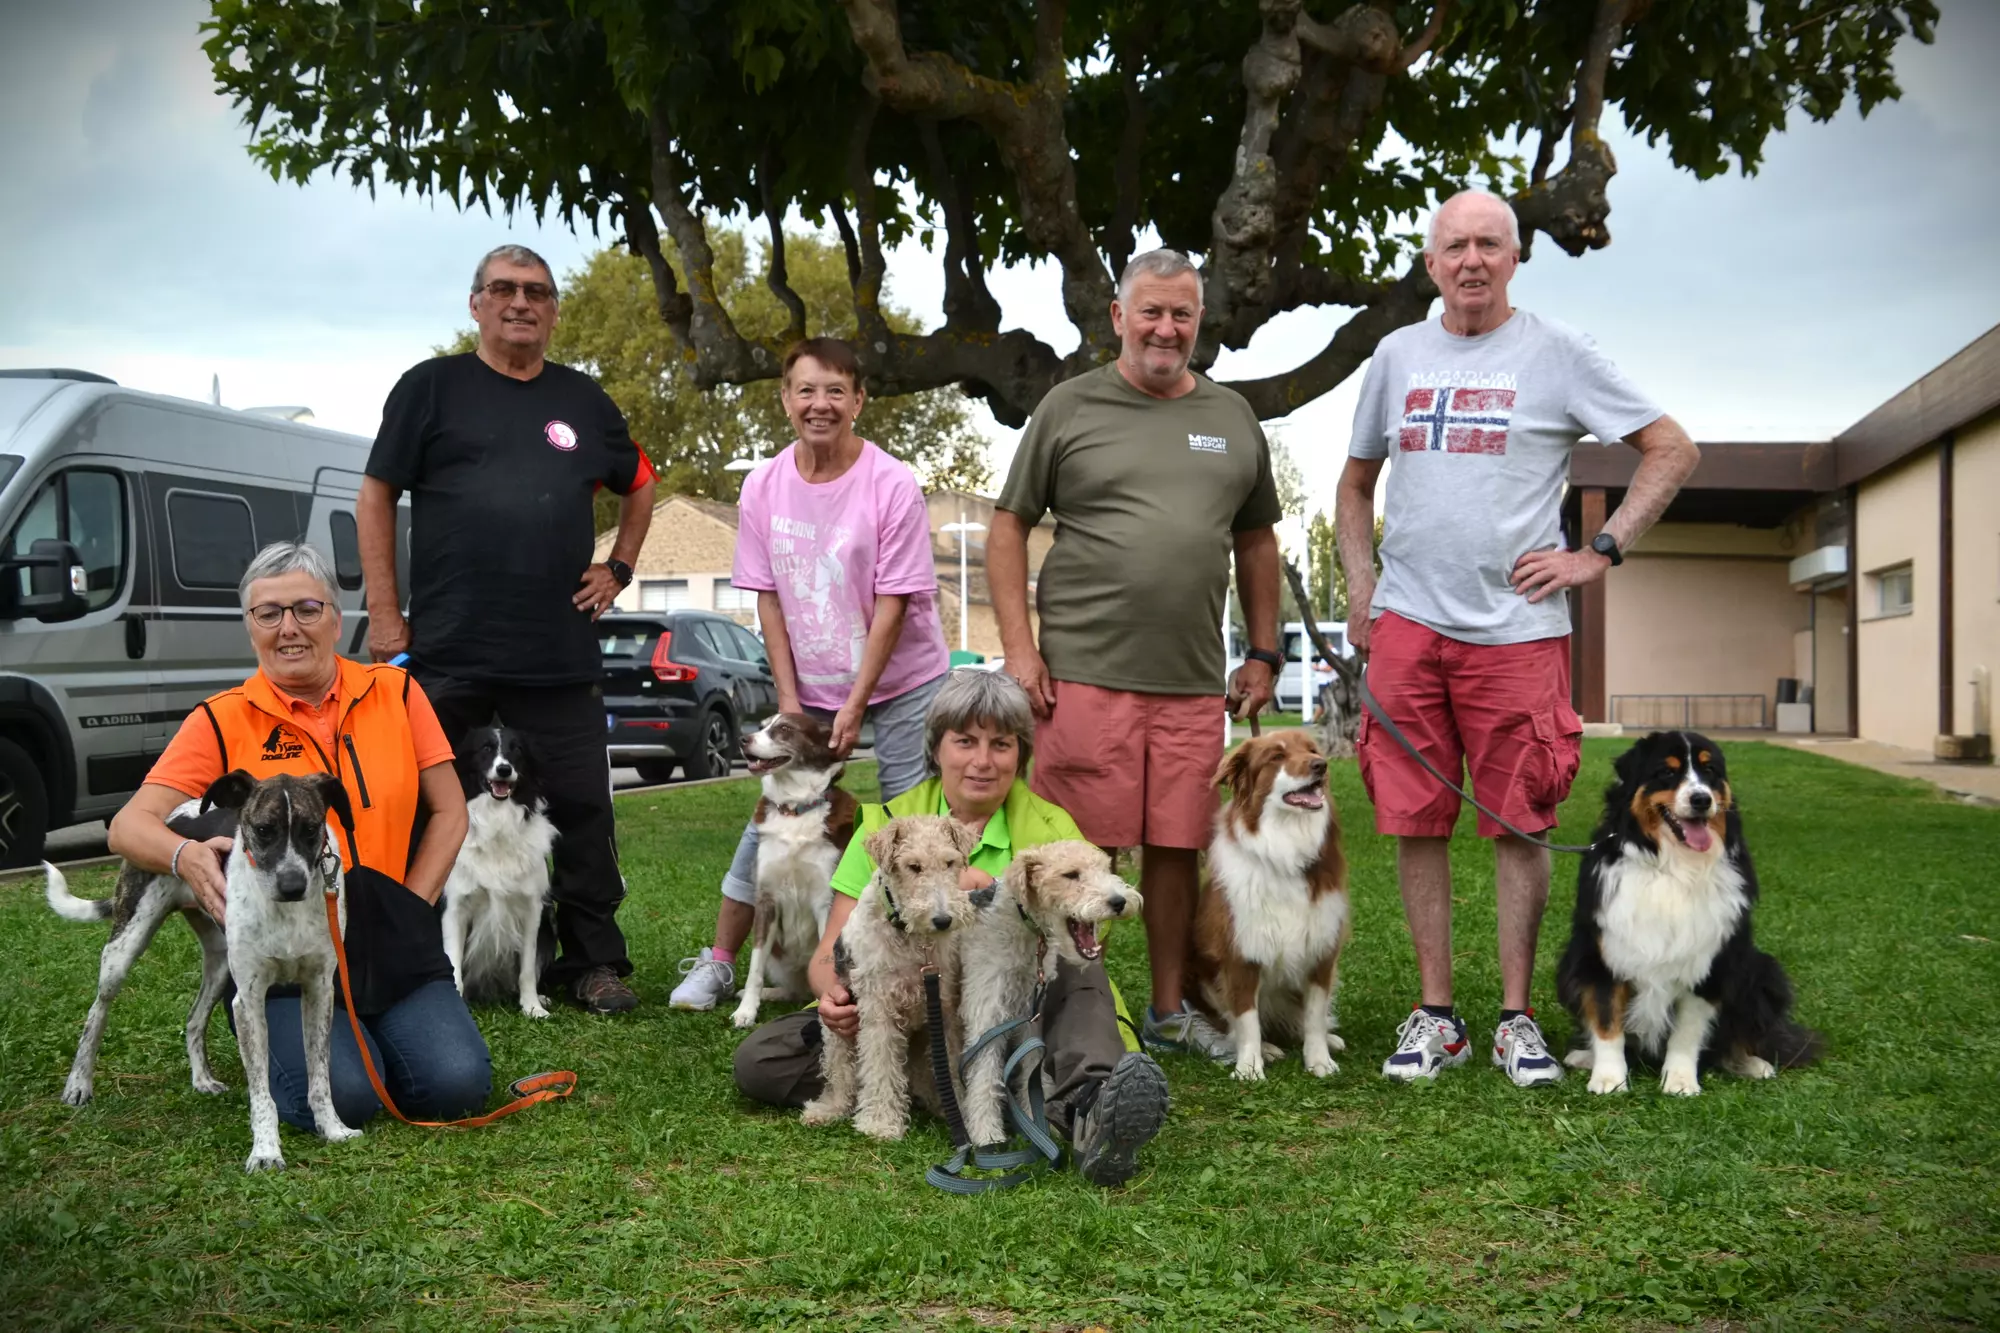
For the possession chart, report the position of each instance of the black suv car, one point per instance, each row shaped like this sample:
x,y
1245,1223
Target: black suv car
x,y
681,688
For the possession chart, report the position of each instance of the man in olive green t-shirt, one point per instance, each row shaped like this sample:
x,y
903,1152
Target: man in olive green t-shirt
x,y
1155,475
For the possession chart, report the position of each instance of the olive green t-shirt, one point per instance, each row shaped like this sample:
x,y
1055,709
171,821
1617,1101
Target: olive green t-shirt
x,y
1147,495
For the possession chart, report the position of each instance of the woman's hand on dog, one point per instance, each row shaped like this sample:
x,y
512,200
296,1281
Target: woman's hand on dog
x,y
201,869
838,1013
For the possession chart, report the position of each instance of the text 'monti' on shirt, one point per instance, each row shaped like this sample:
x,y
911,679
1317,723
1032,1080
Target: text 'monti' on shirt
x,y
501,474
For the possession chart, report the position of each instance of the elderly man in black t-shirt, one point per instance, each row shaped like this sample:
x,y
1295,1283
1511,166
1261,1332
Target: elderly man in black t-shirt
x,y
502,452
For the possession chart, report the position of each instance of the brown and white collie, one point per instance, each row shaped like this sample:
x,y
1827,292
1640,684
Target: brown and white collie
x,y
1273,917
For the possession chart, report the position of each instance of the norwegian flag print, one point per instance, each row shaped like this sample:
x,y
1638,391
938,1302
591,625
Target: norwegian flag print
x,y
1456,421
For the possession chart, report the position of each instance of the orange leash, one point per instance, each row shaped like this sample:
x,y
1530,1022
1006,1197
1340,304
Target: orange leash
x,y
527,1091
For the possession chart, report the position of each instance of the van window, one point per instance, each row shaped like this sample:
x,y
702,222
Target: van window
x,y
346,550
86,508
213,538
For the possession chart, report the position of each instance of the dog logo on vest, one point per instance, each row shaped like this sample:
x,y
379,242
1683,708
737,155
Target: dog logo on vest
x,y
561,434
279,746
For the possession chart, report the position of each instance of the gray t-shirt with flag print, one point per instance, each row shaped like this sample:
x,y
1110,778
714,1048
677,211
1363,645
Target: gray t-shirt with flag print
x,y
1480,430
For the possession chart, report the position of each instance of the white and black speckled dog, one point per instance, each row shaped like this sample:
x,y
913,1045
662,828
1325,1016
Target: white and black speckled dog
x,y
499,885
136,909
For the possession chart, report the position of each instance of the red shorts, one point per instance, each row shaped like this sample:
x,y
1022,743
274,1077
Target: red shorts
x,y
1500,710
1131,769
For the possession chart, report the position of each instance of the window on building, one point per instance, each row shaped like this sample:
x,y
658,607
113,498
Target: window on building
x,y
1894,592
663,595
729,597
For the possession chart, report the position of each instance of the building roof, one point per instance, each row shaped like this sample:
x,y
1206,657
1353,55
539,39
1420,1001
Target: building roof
x,y
1965,387
718,510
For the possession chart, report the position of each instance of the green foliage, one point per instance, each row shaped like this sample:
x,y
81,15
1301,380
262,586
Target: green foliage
x,y
609,325
545,105
1862,1193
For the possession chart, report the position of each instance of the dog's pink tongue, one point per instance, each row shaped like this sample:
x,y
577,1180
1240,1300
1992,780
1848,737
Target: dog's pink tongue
x,y
1697,835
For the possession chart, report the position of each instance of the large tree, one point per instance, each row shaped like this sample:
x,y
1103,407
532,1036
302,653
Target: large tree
x,y
610,326
1287,147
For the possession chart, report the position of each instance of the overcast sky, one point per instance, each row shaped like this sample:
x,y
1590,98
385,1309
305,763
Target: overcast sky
x,y
147,245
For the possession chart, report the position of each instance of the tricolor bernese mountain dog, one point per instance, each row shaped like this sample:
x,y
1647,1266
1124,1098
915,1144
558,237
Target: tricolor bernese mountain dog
x,y
1660,957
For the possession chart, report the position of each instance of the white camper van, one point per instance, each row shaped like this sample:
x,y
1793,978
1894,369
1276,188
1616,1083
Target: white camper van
x,y
126,520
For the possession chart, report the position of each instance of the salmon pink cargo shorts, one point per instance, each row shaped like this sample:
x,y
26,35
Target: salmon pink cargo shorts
x,y
1131,769
1500,710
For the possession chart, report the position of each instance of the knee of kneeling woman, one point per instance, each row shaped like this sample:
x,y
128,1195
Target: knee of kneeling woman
x,y
460,1080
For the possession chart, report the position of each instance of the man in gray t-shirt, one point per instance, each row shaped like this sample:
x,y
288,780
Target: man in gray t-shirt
x,y
1466,641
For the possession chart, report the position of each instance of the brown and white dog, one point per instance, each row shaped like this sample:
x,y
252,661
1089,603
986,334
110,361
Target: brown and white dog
x,y
1051,901
910,915
1270,926
804,822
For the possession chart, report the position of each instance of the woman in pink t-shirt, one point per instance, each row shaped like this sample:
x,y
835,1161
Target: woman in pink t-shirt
x,y
834,536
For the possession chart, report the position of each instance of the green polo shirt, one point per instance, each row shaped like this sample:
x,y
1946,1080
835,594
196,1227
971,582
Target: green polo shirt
x,y
994,853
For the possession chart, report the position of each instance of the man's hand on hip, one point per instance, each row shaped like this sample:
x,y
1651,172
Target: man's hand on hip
x,y
596,591
1251,689
1539,573
387,635
1027,667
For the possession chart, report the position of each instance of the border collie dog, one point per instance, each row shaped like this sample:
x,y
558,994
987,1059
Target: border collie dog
x,y
804,822
499,886
136,909
1270,926
1660,957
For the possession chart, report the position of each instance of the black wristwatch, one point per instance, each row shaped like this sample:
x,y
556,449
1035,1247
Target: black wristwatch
x,y
620,571
1606,545
1267,657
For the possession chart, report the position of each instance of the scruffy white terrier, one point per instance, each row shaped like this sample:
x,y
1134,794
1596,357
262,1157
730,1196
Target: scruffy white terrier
x,y
1052,898
911,913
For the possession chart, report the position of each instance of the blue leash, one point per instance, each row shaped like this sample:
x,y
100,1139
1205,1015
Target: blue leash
x,y
1031,1125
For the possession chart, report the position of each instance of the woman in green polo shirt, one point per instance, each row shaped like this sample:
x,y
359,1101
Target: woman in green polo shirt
x,y
978,736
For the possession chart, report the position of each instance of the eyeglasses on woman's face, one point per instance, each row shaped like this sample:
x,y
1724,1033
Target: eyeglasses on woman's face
x,y
269,615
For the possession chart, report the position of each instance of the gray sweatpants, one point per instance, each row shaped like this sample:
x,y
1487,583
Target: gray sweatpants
x,y
899,766
778,1064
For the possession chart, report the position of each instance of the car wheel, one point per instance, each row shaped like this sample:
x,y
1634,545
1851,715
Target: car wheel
x,y
655,771
24,808
715,746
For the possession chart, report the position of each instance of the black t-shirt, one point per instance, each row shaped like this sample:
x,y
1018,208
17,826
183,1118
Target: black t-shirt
x,y
501,474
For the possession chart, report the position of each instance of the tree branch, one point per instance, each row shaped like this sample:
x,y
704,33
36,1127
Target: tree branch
x,y
675,307
848,243
872,328
777,279
1323,650
1572,206
967,303
1414,52
1405,301
1121,237
1026,122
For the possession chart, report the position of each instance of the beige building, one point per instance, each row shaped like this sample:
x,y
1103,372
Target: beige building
x,y
691,547
1863,571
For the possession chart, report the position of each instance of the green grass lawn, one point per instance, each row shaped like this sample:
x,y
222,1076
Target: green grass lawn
x,y
1859,1193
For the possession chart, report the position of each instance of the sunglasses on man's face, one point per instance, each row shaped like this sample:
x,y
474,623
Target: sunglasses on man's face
x,y
269,615
504,289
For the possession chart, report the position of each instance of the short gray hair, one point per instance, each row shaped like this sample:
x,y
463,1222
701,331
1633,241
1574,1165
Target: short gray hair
x,y
512,254
281,558
1160,263
973,696
1513,223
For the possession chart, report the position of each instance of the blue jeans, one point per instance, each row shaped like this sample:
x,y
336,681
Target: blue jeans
x,y
899,765
426,1047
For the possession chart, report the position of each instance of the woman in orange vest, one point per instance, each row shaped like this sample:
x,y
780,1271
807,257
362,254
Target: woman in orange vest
x,y
307,710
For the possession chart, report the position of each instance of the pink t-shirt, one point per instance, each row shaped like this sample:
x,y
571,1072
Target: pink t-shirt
x,y
828,550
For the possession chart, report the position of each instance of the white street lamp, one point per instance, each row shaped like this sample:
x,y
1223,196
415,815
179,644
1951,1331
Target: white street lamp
x,y
964,531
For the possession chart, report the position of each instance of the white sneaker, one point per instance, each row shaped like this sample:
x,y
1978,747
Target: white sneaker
x,y
707,980
1518,1048
1425,1044
1185,1029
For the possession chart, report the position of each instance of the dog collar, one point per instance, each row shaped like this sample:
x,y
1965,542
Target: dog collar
x,y
895,913
803,807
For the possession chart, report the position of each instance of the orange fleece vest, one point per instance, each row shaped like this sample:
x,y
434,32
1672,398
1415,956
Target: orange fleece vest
x,y
373,756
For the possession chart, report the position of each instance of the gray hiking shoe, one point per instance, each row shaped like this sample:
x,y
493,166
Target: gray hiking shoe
x,y
1186,1029
1129,1109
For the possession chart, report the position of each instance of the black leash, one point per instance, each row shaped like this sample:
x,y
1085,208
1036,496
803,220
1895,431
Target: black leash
x,y
1033,1126
1375,710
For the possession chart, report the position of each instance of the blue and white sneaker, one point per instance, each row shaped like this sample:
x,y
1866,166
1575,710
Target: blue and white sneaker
x,y
1518,1048
1425,1044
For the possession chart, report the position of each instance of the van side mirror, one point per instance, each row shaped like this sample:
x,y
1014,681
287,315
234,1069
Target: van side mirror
x,y
58,583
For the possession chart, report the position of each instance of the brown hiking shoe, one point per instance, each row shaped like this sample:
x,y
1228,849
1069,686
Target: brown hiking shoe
x,y
602,991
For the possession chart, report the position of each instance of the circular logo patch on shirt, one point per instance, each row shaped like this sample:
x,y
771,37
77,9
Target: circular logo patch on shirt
x,y
561,434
